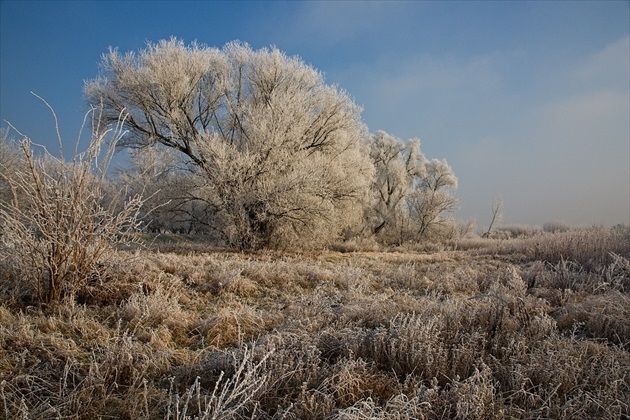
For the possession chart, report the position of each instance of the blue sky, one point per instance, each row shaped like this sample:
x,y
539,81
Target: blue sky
x,y
528,101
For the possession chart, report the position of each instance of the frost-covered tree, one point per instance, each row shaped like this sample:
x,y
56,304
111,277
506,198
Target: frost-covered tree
x,y
396,165
281,152
411,193
431,198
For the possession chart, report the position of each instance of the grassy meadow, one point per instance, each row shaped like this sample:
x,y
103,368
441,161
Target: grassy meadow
x,y
536,326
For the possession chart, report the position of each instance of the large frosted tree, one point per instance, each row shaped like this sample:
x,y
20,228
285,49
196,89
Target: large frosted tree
x,y
283,154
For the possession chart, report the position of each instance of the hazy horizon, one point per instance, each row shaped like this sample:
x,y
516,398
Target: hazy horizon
x,y
528,101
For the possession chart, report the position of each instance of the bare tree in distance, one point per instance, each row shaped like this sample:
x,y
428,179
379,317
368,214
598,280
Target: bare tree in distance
x,y
497,216
283,154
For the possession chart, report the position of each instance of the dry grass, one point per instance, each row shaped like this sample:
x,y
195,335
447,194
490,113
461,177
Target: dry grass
x,y
503,330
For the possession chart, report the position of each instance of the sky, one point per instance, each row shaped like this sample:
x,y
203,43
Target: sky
x,y
527,101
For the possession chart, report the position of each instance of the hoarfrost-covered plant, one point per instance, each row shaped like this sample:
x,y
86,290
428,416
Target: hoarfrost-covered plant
x,y
283,154
62,219
431,198
9,163
410,192
392,181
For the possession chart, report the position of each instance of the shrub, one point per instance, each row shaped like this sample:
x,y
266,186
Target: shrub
x,y
518,231
9,161
62,219
240,377
556,226
589,246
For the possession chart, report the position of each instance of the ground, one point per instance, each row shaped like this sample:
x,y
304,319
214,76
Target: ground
x,y
535,327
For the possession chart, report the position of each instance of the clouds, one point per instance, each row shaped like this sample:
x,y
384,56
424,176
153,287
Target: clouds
x,y
444,99
568,154
585,138
440,76
607,68
552,138
590,119
325,25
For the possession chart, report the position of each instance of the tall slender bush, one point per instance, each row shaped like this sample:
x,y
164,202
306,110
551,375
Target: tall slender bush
x,y
63,217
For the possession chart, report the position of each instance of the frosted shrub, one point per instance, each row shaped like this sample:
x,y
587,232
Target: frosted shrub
x,y
556,226
234,392
9,162
62,219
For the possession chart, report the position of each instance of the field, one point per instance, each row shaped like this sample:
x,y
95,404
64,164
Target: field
x,y
529,327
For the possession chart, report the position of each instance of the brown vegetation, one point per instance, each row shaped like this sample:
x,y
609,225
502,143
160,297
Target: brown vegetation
x,y
535,327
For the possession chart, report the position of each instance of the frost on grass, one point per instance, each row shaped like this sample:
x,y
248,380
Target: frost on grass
x,y
364,335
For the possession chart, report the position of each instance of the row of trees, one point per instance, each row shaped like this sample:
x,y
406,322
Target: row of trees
x,y
254,147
